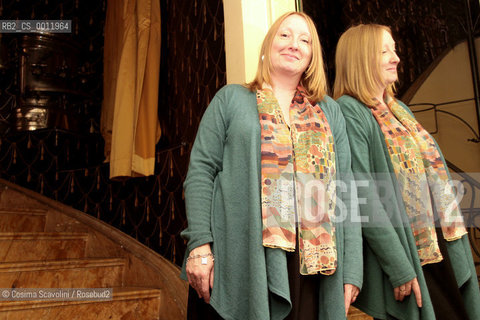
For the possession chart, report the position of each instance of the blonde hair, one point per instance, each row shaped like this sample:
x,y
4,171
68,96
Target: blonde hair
x,y
357,63
313,79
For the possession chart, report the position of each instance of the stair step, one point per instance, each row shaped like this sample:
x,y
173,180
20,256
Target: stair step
x,y
127,303
23,220
30,246
356,314
74,273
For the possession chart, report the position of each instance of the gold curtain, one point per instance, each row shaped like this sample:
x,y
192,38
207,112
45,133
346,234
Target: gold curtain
x,y
129,120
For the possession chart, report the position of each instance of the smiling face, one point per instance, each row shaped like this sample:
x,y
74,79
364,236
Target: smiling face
x,y
291,50
389,59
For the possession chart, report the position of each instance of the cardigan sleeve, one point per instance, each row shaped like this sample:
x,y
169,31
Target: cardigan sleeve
x,y
377,229
353,253
206,159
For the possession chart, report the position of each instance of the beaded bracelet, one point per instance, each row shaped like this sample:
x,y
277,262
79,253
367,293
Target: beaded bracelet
x,y
203,256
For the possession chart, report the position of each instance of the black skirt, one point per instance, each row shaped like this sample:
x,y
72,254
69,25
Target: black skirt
x,y
442,286
304,290
198,309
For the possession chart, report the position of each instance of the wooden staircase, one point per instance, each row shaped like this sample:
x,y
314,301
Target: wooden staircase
x,y
44,244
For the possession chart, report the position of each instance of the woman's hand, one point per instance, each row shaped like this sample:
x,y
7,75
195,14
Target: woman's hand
x,y
200,275
350,295
406,289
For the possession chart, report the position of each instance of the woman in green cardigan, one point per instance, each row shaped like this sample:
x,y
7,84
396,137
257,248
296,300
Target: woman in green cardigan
x,y
418,263
267,195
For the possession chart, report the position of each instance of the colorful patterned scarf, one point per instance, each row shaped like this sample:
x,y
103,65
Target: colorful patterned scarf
x,y
298,181
423,179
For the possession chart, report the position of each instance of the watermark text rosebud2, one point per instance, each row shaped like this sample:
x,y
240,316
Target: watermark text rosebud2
x,y
374,200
